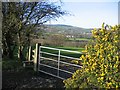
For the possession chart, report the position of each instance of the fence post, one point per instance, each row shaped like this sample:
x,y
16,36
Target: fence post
x,y
29,53
36,57
58,62
39,55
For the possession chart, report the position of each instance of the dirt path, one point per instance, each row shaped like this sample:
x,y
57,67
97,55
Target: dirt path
x,y
14,80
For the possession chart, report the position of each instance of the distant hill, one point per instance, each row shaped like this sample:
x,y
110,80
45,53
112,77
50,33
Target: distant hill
x,y
65,29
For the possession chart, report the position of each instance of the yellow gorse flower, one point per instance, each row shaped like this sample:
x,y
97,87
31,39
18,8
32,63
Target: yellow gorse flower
x,y
101,63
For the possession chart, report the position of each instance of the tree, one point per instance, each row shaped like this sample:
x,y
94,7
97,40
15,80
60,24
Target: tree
x,y
101,64
20,20
8,29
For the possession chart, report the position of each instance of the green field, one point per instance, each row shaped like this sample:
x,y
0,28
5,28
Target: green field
x,y
79,39
72,48
71,54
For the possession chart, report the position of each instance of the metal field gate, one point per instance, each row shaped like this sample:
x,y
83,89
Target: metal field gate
x,y
58,62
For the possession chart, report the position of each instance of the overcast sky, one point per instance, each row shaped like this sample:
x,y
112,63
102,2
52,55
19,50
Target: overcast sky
x,y
89,14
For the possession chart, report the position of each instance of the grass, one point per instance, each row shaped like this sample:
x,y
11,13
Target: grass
x,y
68,48
11,64
79,39
70,54
72,48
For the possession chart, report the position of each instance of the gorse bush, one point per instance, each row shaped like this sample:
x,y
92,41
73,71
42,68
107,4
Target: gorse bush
x,y
101,62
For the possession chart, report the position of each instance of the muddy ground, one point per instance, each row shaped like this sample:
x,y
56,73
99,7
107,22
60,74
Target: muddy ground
x,y
28,79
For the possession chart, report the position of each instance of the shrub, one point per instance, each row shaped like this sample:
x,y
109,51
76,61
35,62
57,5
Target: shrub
x,y
101,62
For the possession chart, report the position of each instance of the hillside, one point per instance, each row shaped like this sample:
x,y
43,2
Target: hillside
x,y
65,29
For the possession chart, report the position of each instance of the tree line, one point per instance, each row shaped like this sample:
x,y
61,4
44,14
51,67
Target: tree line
x,y
20,20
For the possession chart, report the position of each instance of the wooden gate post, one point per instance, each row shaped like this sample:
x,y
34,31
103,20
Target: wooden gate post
x,y
36,59
29,53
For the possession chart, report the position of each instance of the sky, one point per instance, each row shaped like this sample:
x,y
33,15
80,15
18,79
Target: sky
x,y
89,14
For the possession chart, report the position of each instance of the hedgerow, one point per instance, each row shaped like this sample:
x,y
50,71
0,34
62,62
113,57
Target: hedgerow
x,y
101,62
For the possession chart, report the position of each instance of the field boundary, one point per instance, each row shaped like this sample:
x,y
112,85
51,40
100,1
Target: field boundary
x,y
52,70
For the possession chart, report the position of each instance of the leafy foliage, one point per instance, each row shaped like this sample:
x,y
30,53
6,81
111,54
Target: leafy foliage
x,y
101,62
20,20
